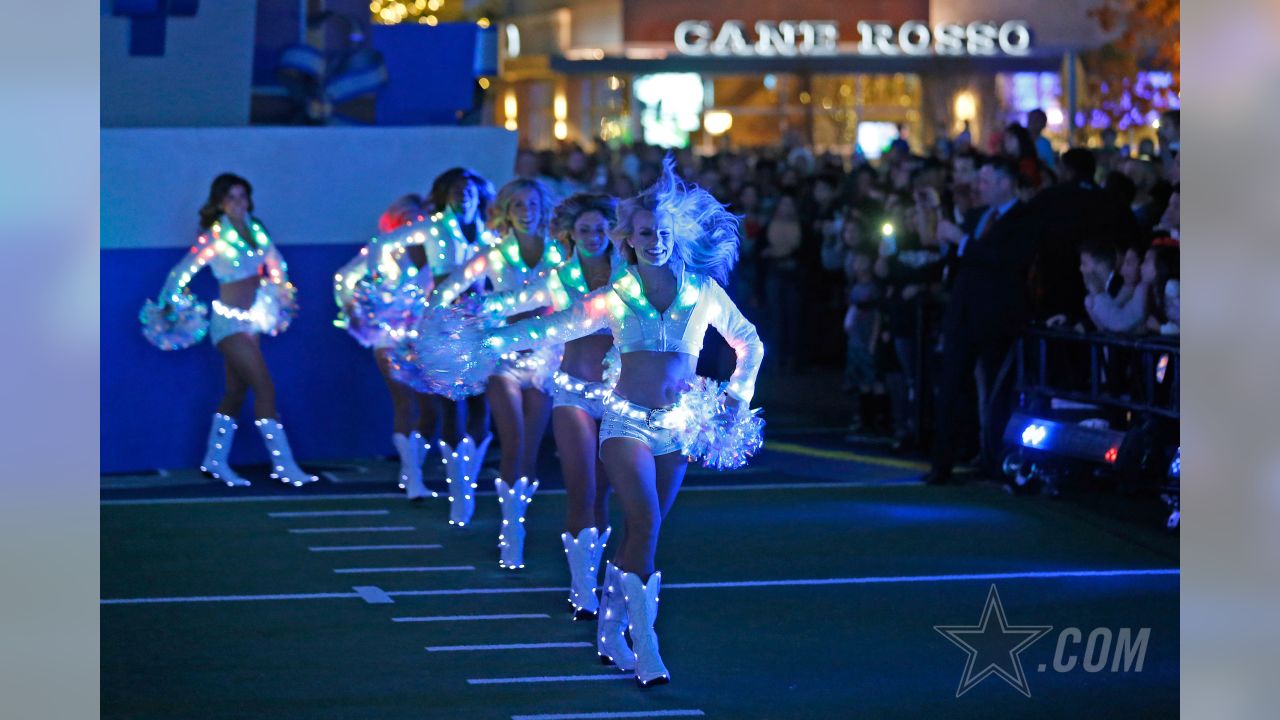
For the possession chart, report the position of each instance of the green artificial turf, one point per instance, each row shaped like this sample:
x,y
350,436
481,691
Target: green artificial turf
x,y
827,651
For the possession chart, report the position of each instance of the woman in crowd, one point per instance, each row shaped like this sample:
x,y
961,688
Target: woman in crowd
x,y
1160,271
782,275
1021,149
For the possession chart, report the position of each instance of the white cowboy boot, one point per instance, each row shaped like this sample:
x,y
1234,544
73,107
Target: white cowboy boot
x,y
218,450
583,554
611,644
514,500
642,610
283,466
477,457
421,451
462,485
410,464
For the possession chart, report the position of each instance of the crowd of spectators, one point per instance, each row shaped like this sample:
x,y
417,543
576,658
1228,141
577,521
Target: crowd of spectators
x,y
874,266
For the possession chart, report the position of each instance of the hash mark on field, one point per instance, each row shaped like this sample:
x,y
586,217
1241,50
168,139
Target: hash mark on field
x,y
434,568
607,715
379,528
343,548
469,618
548,679
511,646
326,513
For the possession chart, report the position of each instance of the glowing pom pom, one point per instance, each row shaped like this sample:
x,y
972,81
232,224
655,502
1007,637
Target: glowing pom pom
x,y
445,354
402,357
275,307
381,312
708,433
174,325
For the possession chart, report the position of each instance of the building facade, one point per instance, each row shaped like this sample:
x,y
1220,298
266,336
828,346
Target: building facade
x,y
750,73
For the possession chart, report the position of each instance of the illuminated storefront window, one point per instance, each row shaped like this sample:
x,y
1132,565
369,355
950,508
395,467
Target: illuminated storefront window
x,y
670,107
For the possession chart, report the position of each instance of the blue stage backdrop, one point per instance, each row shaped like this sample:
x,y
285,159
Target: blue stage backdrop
x,y
156,405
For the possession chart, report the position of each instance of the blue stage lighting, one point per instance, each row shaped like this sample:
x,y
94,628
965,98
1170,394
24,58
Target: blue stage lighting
x,y
1050,437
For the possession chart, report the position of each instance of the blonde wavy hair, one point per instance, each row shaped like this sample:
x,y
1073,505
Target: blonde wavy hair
x,y
499,219
706,233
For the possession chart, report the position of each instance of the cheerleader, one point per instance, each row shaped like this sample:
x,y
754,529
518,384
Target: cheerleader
x,y
582,223
450,237
403,273
518,389
679,245
255,296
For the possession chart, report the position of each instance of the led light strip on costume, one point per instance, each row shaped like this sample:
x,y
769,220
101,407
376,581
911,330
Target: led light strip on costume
x,y
256,314
587,390
526,359
665,418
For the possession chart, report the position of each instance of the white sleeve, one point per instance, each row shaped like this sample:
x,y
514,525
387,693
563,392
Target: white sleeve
x,y
741,335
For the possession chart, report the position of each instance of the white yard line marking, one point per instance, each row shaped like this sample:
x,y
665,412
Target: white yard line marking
x,y
379,528
924,578
608,715
227,598
472,618
252,499
327,513
352,548
431,568
510,646
548,679
1047,575
799,486
736,487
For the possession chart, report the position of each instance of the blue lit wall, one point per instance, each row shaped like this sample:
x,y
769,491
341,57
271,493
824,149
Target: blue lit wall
x,y
319,191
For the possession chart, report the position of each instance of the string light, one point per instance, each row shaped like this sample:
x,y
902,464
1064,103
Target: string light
x,y
423,12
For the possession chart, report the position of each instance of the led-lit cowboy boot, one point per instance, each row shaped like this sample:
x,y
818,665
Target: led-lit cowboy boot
x,y
421,451
642,610
462,484
407,447
611,643
283,466
477,457
407,456
583,554
514,499
217,452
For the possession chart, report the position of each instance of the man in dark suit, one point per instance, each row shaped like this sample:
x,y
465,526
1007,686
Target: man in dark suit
x,y
1069,214
988,309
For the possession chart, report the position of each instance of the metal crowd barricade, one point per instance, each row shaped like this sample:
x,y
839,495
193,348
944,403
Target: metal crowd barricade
x,y
1149,369
1126,386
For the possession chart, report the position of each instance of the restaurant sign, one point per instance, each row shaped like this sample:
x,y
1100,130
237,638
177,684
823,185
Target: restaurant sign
x,y
822,37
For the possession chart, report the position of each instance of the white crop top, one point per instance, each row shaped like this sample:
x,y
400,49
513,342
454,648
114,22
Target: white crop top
x,y
440,235
230,256
636,325
502,265
558,288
